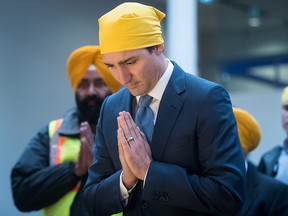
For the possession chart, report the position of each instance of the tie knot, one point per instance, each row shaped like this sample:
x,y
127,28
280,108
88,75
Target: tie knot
x,y
145,101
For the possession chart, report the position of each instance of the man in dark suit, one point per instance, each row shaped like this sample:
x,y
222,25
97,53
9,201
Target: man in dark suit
x,y
265,196
192,164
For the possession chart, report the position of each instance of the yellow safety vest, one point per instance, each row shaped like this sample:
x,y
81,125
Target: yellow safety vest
x,y
62,149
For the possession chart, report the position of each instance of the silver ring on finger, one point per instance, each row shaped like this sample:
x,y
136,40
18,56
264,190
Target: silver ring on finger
x,y
130,139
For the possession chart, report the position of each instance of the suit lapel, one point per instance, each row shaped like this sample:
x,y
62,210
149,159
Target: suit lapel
x,y
169,109
126,101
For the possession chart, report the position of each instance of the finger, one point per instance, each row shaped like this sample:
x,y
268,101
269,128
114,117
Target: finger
x,y
89,146
123,125
90,137
123,146
83,140
90,133
128,127
81,130
83,127
146,144
122,139
88,157
85,131
118,121
80,158
130,119
84,124
120,149
131,125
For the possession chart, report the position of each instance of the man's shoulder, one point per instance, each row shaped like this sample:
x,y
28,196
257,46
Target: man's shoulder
x,y
68,124
271,156
272,152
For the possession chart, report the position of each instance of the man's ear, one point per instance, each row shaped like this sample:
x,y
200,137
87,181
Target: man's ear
x,y
159,49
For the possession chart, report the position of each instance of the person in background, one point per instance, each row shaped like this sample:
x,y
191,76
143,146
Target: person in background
x,y
275,162
166,143
52,170
265,196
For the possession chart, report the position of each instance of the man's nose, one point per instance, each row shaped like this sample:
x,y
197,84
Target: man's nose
x,y
92,90
124,75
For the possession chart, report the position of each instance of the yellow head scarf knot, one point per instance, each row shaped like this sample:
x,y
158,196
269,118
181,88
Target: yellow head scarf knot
x,y
130,26
79,62
284,98
248,130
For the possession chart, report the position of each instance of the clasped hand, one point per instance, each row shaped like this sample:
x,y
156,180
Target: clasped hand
x,y
134,153
86,150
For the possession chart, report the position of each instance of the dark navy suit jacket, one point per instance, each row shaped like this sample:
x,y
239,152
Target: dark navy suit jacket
x,y
197,167
265,196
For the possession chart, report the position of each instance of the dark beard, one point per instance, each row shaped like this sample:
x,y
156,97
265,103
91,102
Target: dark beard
x,y
88,112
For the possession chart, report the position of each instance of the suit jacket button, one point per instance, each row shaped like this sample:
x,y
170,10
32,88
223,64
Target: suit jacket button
x,y
145,205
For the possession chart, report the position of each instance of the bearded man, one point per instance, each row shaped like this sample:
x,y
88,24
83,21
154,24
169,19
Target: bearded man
x,y
51,171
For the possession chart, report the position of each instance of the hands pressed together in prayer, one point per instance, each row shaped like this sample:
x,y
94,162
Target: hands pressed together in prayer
x,y
134,150
86,150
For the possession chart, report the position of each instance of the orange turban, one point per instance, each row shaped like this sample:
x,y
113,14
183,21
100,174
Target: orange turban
x,y
79,62
284,98
248,129
130,26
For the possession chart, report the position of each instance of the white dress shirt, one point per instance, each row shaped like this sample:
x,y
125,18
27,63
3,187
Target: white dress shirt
x,y
156,93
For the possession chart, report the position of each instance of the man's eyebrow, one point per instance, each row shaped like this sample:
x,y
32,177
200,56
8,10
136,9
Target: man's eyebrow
x,y
121,62
126,60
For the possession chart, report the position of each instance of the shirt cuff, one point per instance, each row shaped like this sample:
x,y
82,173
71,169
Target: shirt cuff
x,y
124,192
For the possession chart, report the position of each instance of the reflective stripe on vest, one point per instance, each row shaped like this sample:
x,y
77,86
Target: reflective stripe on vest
x,y
62,149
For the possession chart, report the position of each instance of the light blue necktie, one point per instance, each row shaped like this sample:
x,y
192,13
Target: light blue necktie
x,y
144,118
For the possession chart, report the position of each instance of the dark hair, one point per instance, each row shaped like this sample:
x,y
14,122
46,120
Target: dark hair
x,y
150,49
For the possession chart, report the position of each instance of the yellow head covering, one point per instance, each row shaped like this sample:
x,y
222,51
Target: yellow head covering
x,y
130,26
284,98
79,62
248,130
